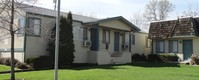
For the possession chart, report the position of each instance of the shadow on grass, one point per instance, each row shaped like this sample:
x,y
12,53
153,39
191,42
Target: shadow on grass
x,y
150,64
135,64
110,67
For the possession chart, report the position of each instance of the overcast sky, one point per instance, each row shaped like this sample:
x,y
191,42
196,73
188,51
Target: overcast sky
x,y
111,8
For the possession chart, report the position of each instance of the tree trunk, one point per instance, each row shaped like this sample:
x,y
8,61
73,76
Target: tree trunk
x,y
12,77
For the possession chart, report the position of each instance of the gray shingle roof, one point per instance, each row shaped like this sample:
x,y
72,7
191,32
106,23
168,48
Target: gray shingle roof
x,y
50,12
168,29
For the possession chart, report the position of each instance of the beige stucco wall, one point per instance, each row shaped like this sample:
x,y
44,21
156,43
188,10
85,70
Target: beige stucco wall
x,y
5,44
102,46
18,55
18,39
180,46
140,46
166,47
196,46
116,24
37,46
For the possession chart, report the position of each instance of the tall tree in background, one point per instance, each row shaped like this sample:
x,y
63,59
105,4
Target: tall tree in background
x,y
66,45
140,21
8,28
191,12
158,10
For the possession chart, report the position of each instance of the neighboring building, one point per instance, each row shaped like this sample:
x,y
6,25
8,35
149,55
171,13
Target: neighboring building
x,y
175,36
99,41
140,43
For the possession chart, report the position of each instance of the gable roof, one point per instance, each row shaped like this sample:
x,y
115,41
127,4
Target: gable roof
x,y
115,18
52,13
179,27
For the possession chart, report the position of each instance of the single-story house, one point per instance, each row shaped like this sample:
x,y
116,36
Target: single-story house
x,y
98,41
175,36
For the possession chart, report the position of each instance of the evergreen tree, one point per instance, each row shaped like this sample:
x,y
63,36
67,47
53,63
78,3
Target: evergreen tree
x,y
66,43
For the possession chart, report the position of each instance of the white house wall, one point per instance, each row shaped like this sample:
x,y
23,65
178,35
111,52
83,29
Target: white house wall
x,y
180,46
140,46
5,44
18,55
81,52
102,46
37,46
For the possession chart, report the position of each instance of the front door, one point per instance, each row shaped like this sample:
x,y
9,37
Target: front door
x,y
187,49
116,41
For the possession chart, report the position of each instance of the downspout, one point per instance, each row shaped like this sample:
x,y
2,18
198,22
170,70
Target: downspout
x,y
25,37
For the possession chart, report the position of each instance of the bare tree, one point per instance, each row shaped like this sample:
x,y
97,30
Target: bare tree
x,y
8,28
140,21
191,12
158,10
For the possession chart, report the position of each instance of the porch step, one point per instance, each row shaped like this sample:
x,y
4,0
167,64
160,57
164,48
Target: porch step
x,y
116,54
115,61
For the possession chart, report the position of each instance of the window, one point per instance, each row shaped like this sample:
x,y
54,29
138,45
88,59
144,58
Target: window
x,y
133,39
173,46
34,26
123,38
106,36
160,46
85,33
21,25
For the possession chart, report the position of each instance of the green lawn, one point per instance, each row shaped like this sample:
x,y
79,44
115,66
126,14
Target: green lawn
x,y
4,68
138,71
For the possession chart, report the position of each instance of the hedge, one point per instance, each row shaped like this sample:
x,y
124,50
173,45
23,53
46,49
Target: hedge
x,y
17,63
42,62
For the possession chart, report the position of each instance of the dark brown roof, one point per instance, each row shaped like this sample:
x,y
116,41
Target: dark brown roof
x,y
168,29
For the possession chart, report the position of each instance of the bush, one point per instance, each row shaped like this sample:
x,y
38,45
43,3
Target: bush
x,y
21,65
7,61
154,58
17,63
138,57
168,57
42,62
162,57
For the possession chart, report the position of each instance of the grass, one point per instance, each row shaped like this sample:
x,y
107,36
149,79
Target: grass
x,y
4,68
136,71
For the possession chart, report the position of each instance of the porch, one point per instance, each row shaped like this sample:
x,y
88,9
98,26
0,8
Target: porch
x,y
104,57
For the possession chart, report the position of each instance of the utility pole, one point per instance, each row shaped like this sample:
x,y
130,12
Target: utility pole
x,y
12,77
57,40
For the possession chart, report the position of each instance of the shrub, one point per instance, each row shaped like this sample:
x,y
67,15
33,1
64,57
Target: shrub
x,y
21,65
138,57
154,58
1,60
168,57
41,62
7,61
17,63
